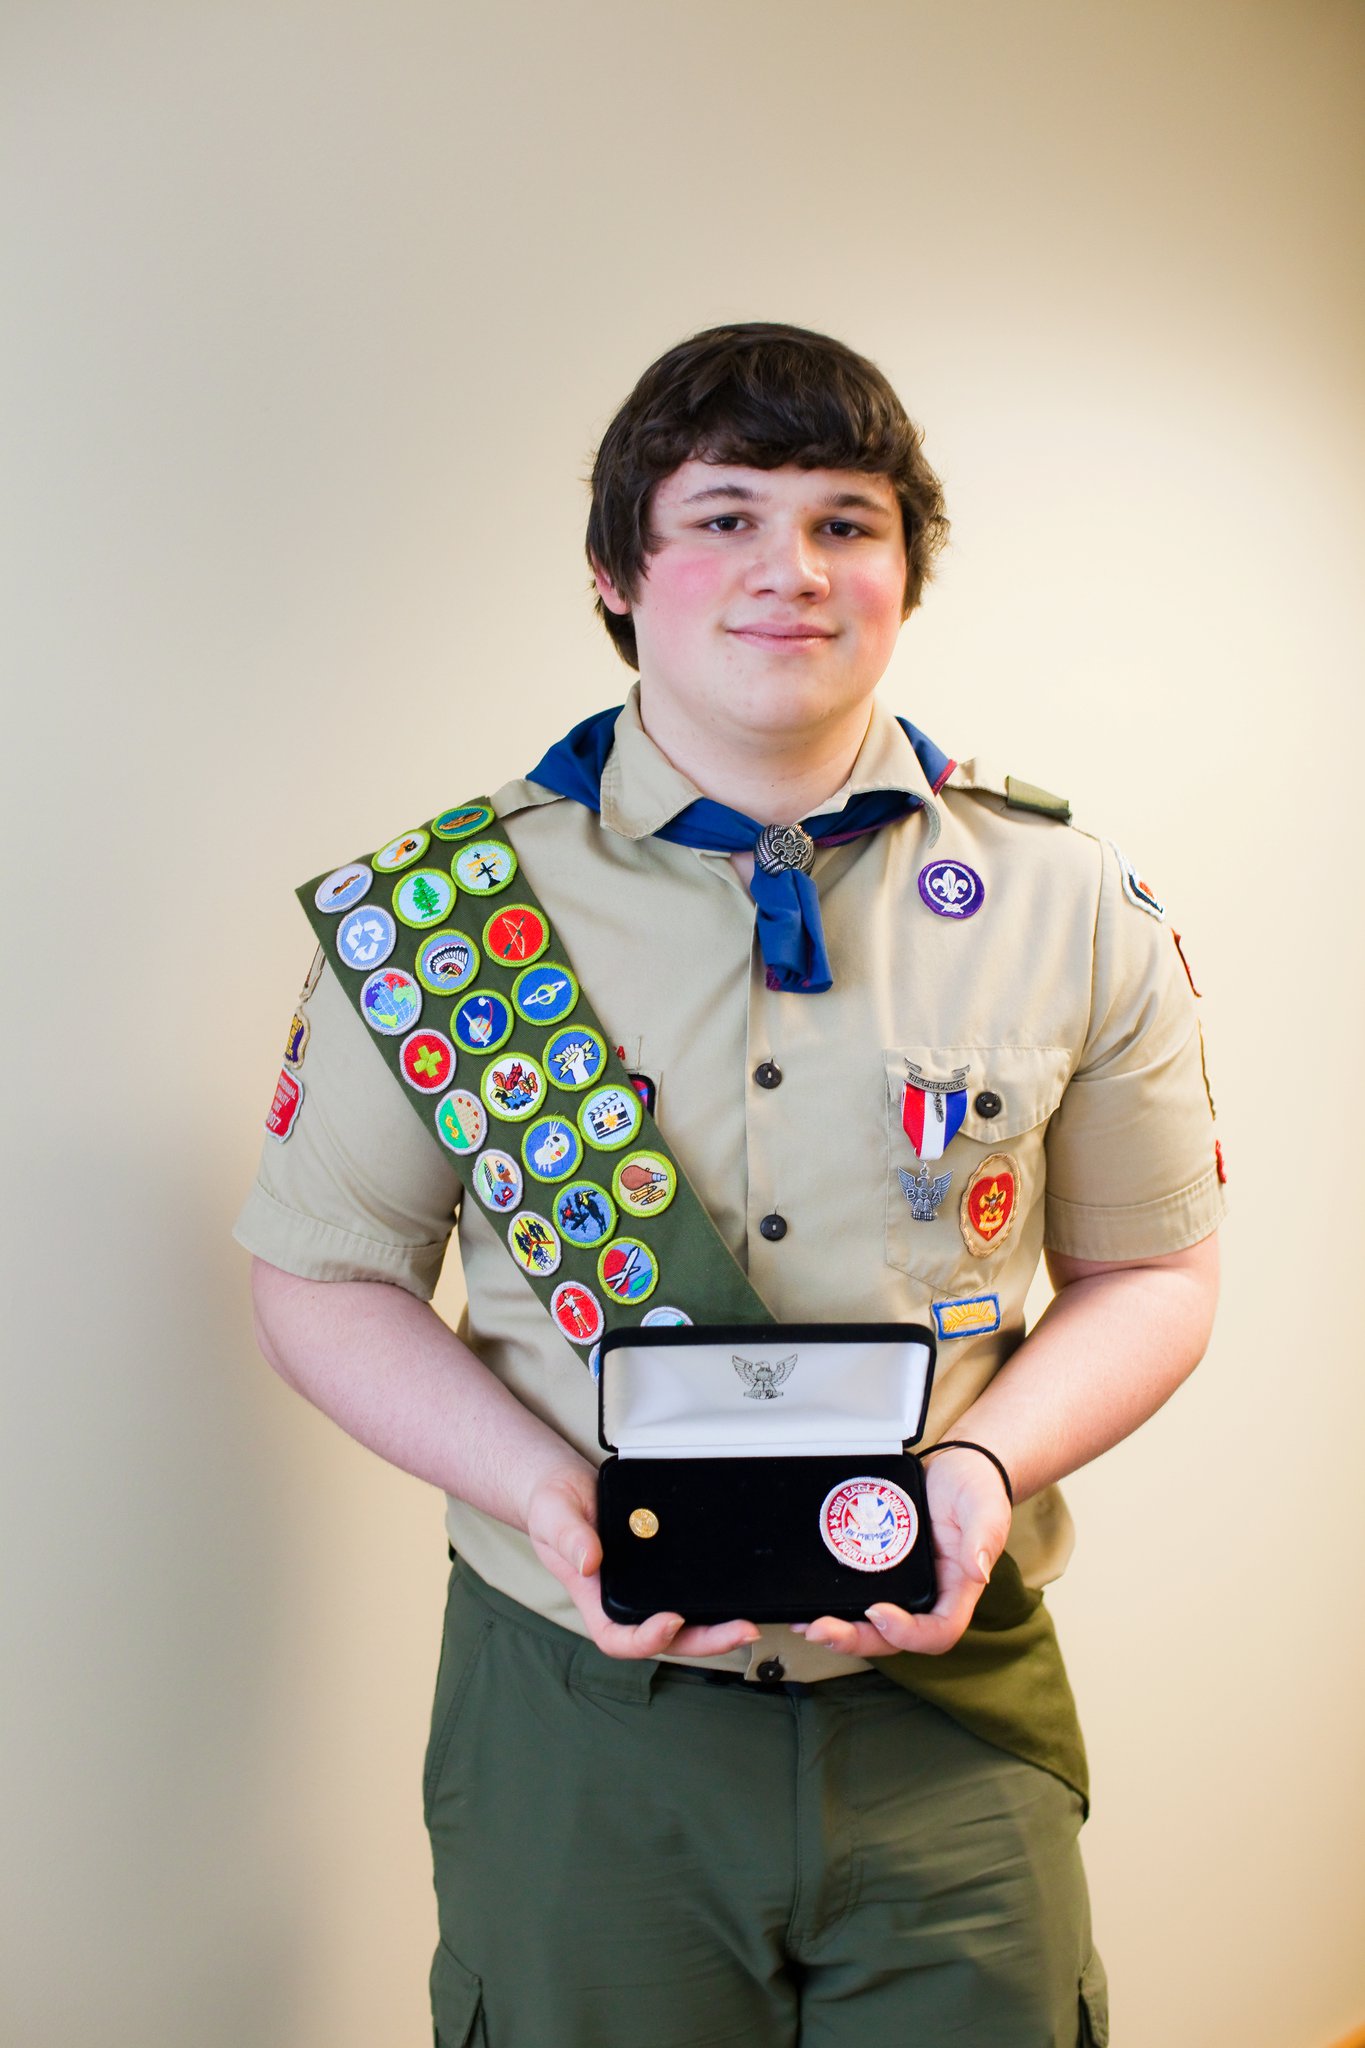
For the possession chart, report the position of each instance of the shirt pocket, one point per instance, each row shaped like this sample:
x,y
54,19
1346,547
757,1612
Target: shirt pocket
x,y
1012,1091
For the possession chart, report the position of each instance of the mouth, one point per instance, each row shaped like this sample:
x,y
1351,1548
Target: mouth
x,y
794,637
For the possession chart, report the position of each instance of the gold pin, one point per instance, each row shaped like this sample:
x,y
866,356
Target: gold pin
x,y
644,1522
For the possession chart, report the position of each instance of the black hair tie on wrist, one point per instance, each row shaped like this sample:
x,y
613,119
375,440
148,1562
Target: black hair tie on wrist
x,y
961,1444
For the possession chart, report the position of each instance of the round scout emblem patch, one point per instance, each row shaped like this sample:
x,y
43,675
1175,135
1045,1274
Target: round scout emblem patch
x,y
366,937
628,1269
461,1121
447,962
658,1318
578,1313
391,1002
575,1058
989,1202
951,888
585,1214
463,819
423,897
611,1117
426,1061
283,1111
644,1183
535,1244
552,1149
545,993
482,1021
869,1524
513,1087
343,887
516,934
296,1044
497,1181
401,852
484,866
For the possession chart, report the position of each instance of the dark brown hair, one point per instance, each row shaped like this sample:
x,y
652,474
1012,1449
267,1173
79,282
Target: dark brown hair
x,y
762,395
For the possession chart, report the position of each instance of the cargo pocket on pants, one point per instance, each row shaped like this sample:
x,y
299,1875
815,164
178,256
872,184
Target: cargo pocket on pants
x,y
1094,2027
456,2003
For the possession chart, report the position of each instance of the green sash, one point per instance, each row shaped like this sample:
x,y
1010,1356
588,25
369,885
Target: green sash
x,y
443,914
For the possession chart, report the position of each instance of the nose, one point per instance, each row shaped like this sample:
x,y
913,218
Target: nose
x,y
788,563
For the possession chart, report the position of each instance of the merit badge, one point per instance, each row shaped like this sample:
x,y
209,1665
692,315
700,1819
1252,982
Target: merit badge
x,y
462,820
552,1148
628,1269
595,1361
284,1110
366,937
484,866
644,1183
497,1181
391,1002
575,1057
611,1117
1140,892
482,1022
654,1318
924,1192
578,1313
585,1214
989,1204
426,1061
545,993
296,1044
401,852
869,1524
447,961
423,897
513,1087
535,1244
343,887
515,934
951,888
973,1318
932,1111
461,1121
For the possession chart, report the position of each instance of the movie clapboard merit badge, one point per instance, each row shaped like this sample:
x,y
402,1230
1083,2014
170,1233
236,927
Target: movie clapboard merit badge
x,y
868,1523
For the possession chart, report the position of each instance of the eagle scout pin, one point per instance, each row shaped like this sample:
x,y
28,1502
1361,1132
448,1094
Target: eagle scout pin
x,y
932,1111
283,1112
578,1312
497,1181
552,1149
989,1204
585,1214
869,1524
461,820
951,888
422,898
426,1060
391,1002
513,1086
544,993
924,1192
535,1244
366,937
343,887
401,852
482,1021
515,934
461,1121
628,1269
447,961
484,866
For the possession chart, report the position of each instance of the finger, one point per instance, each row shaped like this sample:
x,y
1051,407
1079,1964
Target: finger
x,y
715,1640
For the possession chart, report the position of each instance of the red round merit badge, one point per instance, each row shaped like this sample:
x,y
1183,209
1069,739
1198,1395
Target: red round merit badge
x,y
516,934
869,1524
989,1204
428,1062
578,1313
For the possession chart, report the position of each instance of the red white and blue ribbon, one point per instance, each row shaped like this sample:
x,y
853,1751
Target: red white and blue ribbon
x,y
932,1111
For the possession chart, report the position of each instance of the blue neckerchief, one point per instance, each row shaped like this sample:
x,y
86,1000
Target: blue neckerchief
x,y
790,934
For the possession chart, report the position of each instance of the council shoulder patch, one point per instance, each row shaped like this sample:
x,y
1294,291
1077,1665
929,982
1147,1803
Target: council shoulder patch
x,y
284,1110
975,1317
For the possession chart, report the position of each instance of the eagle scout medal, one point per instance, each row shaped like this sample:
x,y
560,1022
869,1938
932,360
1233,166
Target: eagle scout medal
x,y
426,1061
481,1021
643,1523
644,1183
296,1044
447,961
461,1121
574,1058
515,934
484,866
611,1117
932,1111
463,819
869,1524
401,852
283,1112
628,1269
951,888
544,993
585,1214
497,1181
989,1204
552,1149
366,937
343,887
513,1087
577,1312
422,898
975,1317
391,1002
924,1192
534,1244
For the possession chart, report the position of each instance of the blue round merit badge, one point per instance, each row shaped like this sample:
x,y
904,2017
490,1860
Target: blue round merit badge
x,y
481,1021
552,1148
366,937
585,1214
391,1002
544,993
574,1058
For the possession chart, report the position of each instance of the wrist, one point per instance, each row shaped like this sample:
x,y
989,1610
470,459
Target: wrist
x,y
969,1447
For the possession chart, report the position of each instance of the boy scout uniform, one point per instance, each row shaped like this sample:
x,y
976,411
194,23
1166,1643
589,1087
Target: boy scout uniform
x,y
1061,997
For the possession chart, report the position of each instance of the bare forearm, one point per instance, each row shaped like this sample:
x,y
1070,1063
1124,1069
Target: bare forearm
x,y
386,1368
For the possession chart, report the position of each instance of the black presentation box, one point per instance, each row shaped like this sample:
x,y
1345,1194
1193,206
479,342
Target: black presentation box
x,y
763,1472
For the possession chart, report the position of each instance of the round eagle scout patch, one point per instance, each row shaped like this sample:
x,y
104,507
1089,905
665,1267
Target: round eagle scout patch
x,y
869,1524
989,1204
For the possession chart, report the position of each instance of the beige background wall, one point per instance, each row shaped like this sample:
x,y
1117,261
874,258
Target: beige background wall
x,y
313,314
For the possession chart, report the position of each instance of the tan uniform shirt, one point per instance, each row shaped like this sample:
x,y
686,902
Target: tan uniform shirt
x,y
1062,997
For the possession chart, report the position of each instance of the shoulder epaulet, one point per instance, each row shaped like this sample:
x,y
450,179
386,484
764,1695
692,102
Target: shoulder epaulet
x,y
1017,794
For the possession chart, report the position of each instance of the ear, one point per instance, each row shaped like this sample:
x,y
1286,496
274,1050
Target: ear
x,y
607,591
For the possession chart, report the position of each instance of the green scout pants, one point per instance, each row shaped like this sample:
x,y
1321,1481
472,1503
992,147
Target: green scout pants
x,y
627,1854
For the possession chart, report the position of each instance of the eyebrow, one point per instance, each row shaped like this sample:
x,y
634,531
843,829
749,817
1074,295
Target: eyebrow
x,y
832,501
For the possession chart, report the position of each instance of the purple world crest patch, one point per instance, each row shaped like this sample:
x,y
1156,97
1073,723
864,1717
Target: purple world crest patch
x,y
951,888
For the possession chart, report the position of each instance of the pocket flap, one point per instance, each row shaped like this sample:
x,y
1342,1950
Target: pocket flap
x,y
456,1997
1026,1081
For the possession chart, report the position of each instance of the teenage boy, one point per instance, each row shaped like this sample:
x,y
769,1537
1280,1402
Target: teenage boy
x,y
898,1053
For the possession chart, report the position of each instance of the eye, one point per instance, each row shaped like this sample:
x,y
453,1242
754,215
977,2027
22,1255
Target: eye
x,y
844,529
724,522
